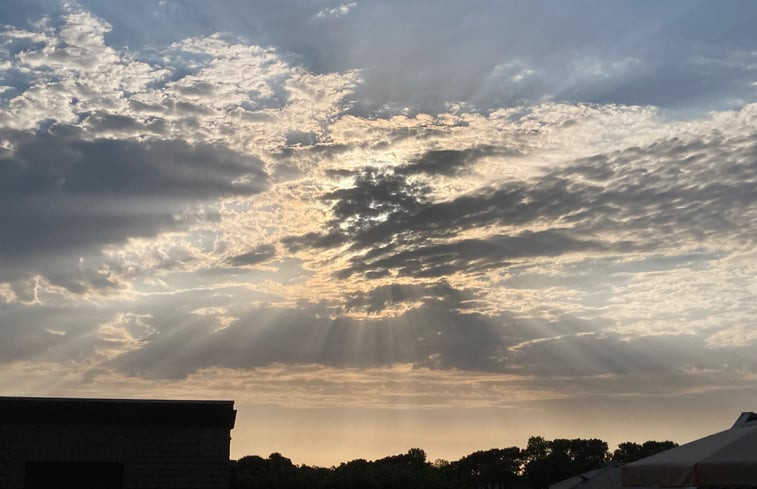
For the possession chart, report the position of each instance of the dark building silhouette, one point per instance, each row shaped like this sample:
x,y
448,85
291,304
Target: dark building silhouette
x,y
62,443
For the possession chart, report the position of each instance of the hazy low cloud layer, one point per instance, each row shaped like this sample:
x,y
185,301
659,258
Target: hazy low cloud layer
x,y
294,209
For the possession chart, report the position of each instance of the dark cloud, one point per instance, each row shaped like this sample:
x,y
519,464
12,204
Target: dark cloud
x,y
48,333
57,165
599,275
63,197
474,255
437,327
258,255
394,223
166,339
378,299
438,331
103,122
672,191
359,211
383,209
604,353
166,336
433,334
301,138
448,162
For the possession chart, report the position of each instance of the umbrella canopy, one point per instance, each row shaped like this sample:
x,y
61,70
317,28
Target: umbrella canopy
x,y
728,458
607,477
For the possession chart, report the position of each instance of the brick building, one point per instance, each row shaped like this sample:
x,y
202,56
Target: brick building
x,y
48,443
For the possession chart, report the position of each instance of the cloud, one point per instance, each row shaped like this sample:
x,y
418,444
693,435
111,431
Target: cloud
x,y
427,335
121,149
70,196
394,220
336,12
438,329
204,205
674,190
260,254
472,256
379,299
198,88
447,161
124,333
592,53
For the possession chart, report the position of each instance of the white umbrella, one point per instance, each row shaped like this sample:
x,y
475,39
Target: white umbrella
x,y
728,458
607,477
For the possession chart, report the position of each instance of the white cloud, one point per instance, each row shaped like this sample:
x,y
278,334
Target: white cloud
x,y
336,12
734,336
124,333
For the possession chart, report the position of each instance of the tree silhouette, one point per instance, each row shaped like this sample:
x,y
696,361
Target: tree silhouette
x,y
490,468
541,463
630,452
548,462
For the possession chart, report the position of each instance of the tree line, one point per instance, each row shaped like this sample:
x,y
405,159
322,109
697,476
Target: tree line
x,y
541,463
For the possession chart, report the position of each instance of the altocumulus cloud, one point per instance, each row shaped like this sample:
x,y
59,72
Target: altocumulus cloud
x,y
671,194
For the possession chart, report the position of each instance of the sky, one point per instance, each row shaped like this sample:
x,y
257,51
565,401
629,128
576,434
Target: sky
x,y
384,224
